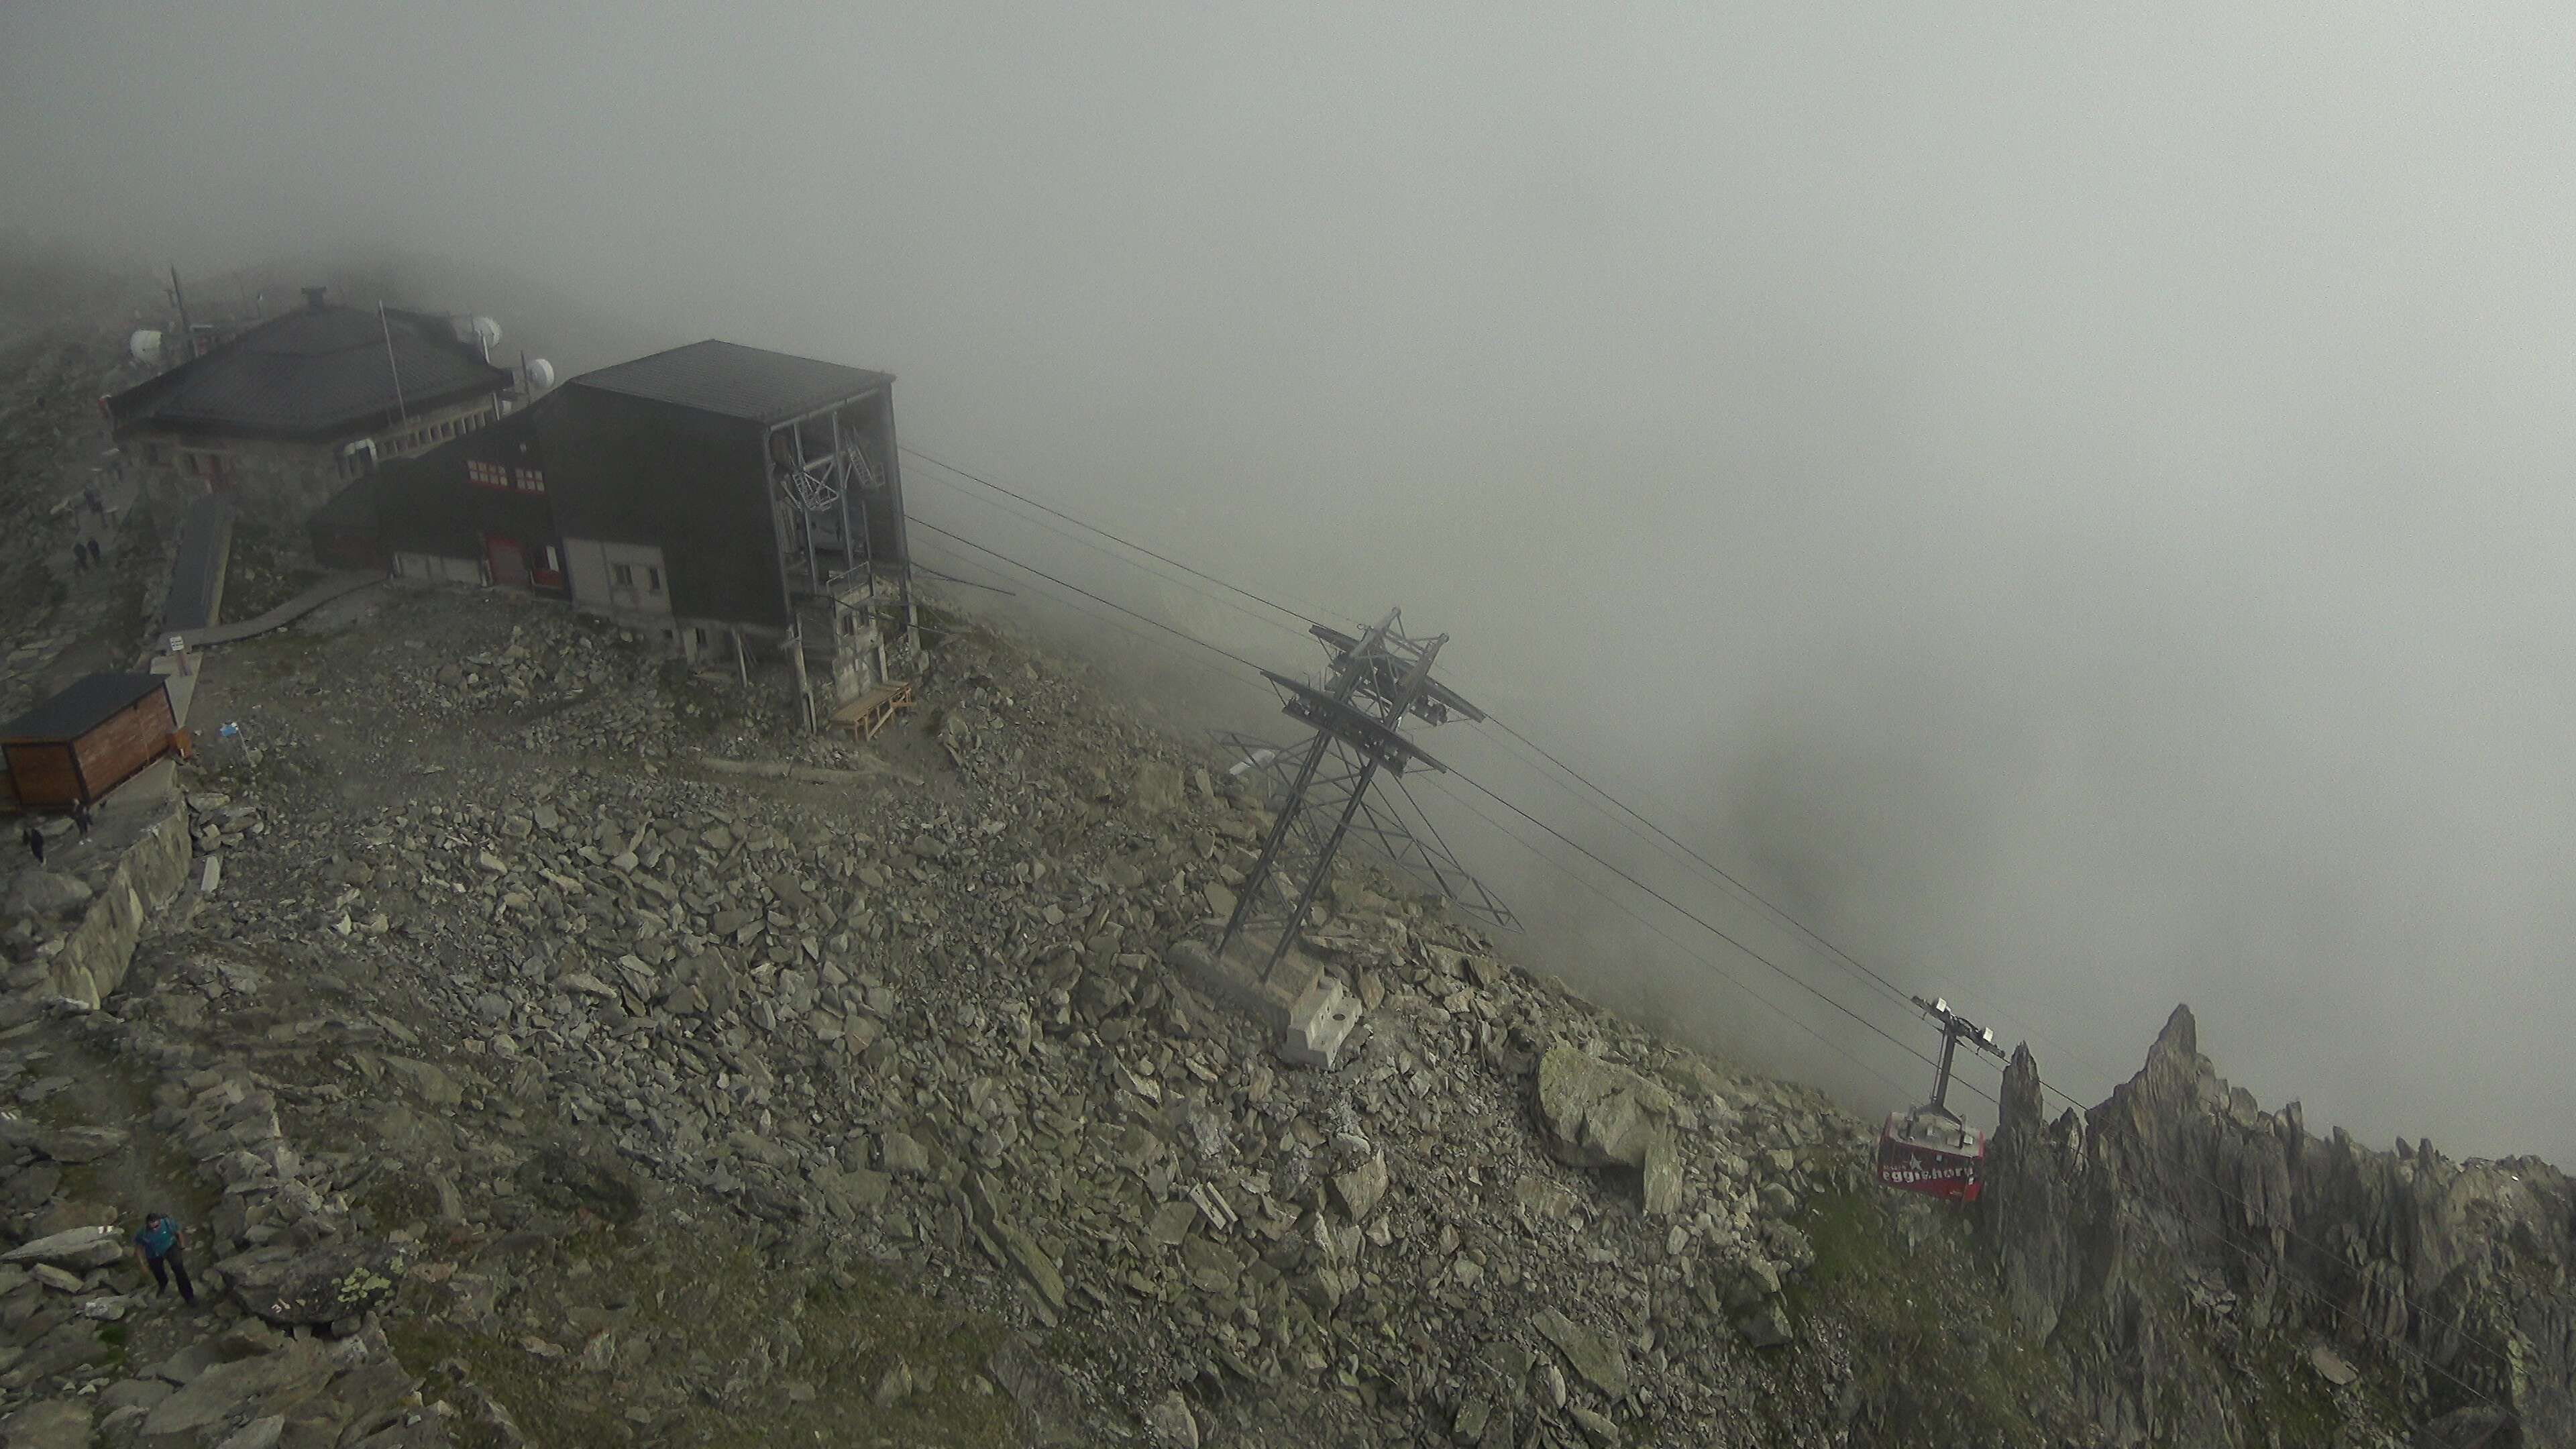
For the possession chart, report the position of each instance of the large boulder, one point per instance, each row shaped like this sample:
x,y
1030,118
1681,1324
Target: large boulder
x,y
1361,1188
1595,1356
1594,1114
1168,1422
47,1424
45,894
1050,1407
321,1287
61,1144
564,1179
77,1248
230,1391
428,1082
1157,790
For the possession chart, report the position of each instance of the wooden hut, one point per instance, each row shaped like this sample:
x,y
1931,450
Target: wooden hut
x,y
84,742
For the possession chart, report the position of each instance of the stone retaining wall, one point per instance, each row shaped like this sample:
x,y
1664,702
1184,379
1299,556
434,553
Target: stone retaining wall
x,y
94,955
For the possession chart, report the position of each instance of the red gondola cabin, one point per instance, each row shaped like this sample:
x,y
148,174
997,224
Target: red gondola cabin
x,y
1931,1154
1929,1150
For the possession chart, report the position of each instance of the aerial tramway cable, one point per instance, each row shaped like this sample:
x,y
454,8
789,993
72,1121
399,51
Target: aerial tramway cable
x,y
2282,1271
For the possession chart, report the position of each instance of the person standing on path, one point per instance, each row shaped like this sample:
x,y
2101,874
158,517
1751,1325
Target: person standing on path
x,y
93,552
160,1242
34,835
80,557
82,817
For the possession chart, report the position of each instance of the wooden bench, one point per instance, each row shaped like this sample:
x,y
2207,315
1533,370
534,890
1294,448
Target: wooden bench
x,y
874,710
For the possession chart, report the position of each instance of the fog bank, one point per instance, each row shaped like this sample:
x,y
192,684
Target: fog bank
x,y
2068,504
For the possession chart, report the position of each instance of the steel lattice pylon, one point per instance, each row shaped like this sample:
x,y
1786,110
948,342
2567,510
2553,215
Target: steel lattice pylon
x,y
1320,788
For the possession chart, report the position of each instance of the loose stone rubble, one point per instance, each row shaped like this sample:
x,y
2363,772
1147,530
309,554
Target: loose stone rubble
x,y
931,1021
75,1307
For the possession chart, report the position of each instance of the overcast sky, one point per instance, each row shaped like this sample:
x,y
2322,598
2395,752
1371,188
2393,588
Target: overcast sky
x,y
2070,501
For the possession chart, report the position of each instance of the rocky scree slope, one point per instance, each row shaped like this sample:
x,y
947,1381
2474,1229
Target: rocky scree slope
x,y
924,1019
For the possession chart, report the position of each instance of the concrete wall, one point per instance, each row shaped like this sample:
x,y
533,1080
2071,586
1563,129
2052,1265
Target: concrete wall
x,y
437,568
596,585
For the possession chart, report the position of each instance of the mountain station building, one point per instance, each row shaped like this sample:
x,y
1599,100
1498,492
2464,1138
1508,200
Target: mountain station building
x,y
742,505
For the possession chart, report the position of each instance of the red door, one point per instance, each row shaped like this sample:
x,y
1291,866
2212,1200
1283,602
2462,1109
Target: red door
x,y
509,565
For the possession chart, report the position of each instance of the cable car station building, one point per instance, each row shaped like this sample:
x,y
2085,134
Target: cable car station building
x,y
741,505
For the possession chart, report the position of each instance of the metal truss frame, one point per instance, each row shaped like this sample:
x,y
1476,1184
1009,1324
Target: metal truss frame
x,y
1380,829
1320,789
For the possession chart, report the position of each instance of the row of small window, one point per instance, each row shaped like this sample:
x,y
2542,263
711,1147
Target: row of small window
x,y
436,433
625,576
501,475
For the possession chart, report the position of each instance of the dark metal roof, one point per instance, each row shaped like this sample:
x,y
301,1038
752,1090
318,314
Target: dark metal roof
x,y
197,573
736,381
314,372
81,707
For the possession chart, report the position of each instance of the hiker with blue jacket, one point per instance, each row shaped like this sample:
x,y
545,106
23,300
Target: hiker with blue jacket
x,y
160,1242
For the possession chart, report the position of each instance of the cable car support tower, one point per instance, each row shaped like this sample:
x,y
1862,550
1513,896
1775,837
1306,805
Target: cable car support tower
x,y
1320,793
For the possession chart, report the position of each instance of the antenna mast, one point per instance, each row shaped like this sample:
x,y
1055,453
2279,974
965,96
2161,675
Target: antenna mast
x,y
401,413
179,299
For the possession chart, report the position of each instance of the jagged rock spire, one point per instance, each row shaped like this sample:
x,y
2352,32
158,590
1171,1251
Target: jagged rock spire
x,y
2020,1109
2180,1038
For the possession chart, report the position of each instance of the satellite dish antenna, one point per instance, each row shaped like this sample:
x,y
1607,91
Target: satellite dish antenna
x,y
481,331
541,375
144,345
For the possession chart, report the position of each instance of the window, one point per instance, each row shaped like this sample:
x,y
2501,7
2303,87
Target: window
x,y
626,576
486,475
532,480
652,580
